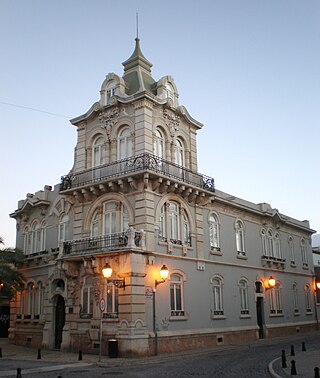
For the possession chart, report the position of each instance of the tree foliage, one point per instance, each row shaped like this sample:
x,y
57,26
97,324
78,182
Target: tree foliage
x,y
11,280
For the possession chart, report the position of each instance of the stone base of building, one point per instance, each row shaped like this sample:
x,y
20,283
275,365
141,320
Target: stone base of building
x,y
26,336
190,341
167,342
290,330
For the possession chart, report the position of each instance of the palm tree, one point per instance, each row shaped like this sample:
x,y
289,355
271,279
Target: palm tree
x,y
11,280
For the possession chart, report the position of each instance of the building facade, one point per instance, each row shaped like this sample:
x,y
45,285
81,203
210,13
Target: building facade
x,y
135,201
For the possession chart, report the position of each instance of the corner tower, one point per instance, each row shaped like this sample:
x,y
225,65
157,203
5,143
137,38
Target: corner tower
x,y
135,166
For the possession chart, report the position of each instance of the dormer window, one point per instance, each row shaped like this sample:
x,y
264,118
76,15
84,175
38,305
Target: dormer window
x,y
169,91
110,91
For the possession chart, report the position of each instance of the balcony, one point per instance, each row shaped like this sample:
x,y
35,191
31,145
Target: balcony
x,y
273,262
122,173
106,243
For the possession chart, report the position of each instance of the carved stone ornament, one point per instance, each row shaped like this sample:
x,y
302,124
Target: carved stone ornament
x,y
108,118
172,120
71,269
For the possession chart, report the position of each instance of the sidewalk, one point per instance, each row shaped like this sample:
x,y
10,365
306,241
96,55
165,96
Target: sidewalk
x,y
15,356
305,362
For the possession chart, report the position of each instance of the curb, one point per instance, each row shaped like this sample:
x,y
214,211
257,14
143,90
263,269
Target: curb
x,y
13,373
271,370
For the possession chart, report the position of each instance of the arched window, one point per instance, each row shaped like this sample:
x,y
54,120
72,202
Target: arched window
x,y
159,145
63,228
125,144
276,300
162,224
307,295
26,240
277,247
174,224
112,302
110,90
244,301
111,219
186,229
43,236
87,298
169,91
291,249
217,284
240,238
95,224
174,220
304,253
295,298
31,293
98,152
270,243
176,295
264,242
214,233
40,297
35,237
179,158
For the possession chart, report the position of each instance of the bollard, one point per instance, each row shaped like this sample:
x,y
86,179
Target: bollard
x,y
19,373
39,354
283,359
0,352
292,350
303,346
316,372
293,367
80,355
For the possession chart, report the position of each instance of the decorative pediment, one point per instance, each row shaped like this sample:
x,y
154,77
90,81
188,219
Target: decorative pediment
x,y
29,204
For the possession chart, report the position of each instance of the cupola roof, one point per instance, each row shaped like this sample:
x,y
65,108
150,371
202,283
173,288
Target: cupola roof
x,y
137,72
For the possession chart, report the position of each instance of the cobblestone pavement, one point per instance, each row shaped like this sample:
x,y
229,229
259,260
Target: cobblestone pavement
x,y
245,361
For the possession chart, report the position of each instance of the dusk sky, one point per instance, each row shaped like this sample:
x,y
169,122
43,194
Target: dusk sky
x,y
248,70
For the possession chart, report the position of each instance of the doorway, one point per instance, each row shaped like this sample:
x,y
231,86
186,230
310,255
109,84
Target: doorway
x,y
4,320
60,315
260,309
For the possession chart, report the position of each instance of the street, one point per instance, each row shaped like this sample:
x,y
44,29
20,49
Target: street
x,y
237,361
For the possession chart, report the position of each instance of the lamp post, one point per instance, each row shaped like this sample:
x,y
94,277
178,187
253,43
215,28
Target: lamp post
x,y
119,283
317,289
164,273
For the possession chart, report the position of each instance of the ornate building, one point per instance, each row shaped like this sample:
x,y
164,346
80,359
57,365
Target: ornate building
x,y
135,201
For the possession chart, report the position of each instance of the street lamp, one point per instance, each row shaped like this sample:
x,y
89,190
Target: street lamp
x,y
164,273
107,273
270,283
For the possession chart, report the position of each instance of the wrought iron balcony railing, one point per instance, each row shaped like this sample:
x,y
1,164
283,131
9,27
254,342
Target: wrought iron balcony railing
x,y
105,243
136,164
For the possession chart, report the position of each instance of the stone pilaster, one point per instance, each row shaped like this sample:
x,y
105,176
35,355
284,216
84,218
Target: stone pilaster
x,y
132,331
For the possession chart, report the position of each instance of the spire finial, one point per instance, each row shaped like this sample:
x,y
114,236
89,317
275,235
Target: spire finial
x,y
137,22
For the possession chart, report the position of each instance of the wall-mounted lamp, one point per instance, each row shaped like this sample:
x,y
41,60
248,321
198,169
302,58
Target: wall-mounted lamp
x,y
270,283
164,273
107,273
317,285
